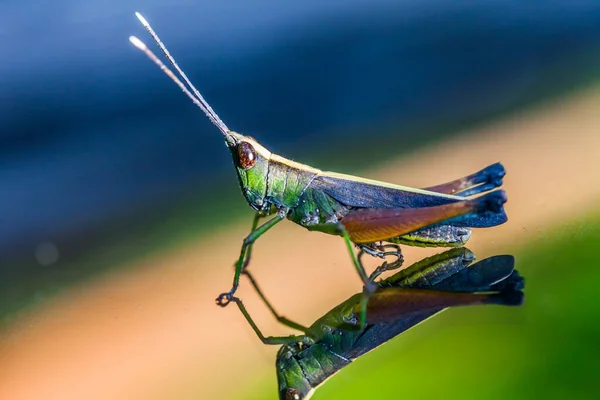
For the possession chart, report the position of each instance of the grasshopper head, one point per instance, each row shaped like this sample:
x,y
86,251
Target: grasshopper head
x,y
291,376
250,158
251,161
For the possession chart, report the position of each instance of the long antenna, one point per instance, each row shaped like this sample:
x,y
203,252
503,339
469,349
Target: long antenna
x,y
140,45
198,99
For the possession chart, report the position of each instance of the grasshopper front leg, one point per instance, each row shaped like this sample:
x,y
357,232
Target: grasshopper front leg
x,y
281,319
270,339
225,298
257,218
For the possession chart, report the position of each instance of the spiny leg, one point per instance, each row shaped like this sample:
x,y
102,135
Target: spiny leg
x,y
280,319
269,339
481,181
225,298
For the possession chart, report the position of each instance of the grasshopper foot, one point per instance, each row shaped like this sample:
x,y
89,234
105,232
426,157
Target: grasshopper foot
x,y
385,267
224,298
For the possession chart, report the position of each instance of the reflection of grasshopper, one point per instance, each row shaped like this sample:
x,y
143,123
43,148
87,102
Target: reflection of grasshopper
x,y
364,212
304,362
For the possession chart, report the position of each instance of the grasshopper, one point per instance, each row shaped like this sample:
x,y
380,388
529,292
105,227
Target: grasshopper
x,y
400,302
364,212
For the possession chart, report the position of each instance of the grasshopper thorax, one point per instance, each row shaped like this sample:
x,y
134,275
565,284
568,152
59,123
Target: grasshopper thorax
x,y
251,161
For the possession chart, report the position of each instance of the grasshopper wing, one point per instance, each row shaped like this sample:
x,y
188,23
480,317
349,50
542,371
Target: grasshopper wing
x,y
366,193
367,225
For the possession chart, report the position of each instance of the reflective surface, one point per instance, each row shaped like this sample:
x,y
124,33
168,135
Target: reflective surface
x,y
400,302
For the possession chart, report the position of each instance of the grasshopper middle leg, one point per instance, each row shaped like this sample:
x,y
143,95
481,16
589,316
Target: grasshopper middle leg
x,y
369,285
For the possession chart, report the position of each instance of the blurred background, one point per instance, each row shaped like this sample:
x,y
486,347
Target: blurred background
x,y
121,215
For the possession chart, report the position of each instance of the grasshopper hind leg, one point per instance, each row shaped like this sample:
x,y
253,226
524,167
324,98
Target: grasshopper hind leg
x,y
435,236
365,226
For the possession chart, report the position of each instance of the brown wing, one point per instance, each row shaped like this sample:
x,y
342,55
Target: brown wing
x,y
371,225
391,304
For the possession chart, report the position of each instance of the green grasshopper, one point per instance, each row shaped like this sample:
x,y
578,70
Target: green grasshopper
x,y
364,212
400,302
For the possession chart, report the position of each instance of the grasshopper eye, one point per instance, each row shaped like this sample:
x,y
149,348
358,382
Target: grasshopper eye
x,y
246,155
292,394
